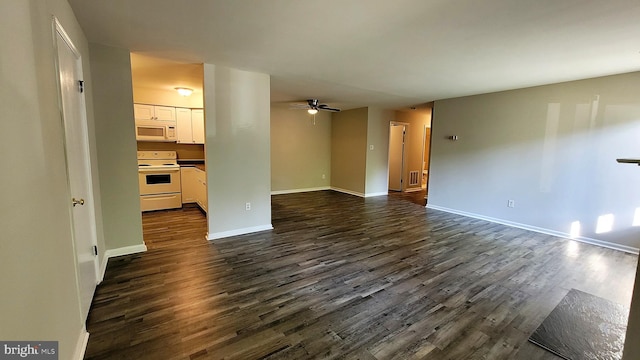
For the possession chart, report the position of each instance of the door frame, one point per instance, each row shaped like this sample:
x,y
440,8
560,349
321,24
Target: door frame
x,y
404,153
84,140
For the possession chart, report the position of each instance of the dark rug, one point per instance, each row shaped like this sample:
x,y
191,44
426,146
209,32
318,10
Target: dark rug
x,y
584,327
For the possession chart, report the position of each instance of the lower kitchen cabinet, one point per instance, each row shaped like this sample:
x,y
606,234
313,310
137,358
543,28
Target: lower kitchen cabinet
x,y
201,189
194,186
188,180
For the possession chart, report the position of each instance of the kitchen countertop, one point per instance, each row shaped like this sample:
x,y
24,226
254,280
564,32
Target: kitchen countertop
x,y
198,165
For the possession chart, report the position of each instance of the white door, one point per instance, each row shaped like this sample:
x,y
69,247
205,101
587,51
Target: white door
x,y
396,156
78,168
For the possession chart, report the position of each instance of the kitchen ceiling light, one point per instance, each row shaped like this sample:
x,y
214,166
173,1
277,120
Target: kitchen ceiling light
x,y
312,111
184,91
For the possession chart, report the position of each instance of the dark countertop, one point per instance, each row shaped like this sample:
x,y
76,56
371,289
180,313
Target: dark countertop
x,y
199,165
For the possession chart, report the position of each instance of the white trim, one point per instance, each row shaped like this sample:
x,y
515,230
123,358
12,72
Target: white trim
x,y
293,191
103,267
586,240
127,250
81,345
376,194
347,191
248,230
413,189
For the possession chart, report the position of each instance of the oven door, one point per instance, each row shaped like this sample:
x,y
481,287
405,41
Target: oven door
x,y
159,181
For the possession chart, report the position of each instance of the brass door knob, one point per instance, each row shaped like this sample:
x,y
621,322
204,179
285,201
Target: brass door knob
x,y
75,201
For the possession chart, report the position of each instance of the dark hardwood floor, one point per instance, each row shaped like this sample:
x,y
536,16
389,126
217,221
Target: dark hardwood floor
x,y
341,277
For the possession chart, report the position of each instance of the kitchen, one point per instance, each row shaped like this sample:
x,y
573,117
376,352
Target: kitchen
x,y
170,134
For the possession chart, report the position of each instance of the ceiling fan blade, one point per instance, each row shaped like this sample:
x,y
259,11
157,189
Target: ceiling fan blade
x,y
325,107
299,106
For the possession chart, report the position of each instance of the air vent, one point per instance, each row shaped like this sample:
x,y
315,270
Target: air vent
x,y
414,178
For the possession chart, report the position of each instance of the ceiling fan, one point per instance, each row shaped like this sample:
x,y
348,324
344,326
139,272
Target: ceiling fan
x,y
313,106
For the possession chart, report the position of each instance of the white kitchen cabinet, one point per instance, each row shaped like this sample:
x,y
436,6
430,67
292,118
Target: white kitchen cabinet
x,y
183,125
154,112
197,125
194,186
201,189
189,183
190,123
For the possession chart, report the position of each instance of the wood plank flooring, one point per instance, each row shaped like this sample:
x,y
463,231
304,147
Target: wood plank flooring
x,y
341,277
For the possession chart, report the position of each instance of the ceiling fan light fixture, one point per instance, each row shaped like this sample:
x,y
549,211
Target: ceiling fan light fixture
x,y
184,91
312,111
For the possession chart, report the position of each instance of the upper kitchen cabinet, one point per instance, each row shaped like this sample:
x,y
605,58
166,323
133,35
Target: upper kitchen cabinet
x,y
197,124
154,112
190,125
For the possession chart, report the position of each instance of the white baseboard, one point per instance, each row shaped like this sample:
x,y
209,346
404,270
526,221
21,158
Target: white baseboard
x,y
81,345
293,191
376,194
586,240
127,250
247,230
347,191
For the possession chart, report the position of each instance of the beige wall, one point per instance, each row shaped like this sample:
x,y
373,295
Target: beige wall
x,y
143,95
349,150
37,261
300,149
414,140
552,149
237,150
184,151
377,180
116,145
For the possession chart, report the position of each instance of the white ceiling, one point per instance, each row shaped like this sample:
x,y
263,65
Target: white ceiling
x,y
390,53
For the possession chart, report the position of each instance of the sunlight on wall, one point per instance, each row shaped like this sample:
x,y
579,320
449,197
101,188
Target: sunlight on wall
x,y
636,217
605,223
575,229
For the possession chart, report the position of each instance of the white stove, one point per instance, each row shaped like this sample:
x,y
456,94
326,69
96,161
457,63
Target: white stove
x,y
159,180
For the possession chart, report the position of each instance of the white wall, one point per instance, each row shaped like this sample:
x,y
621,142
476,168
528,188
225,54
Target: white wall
x,y
237,150
116,146
300,149
552,149
37,261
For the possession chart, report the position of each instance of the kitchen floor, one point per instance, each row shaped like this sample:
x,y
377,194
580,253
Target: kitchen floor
x,y
175,227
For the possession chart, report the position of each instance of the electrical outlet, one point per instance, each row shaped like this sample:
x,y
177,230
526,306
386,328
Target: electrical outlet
x,y
323,176
247,206
511,203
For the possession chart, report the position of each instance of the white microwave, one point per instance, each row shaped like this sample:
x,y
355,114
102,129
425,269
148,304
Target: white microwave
x,y
150,130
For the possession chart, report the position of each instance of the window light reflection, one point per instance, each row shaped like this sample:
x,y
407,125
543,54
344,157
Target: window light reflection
x,y
605,223
575,230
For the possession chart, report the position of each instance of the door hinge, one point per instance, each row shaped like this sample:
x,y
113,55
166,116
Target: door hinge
x,y
81,85
95,250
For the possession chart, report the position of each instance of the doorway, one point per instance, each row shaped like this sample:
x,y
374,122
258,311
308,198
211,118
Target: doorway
x,y
426,147
76,144
397,151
